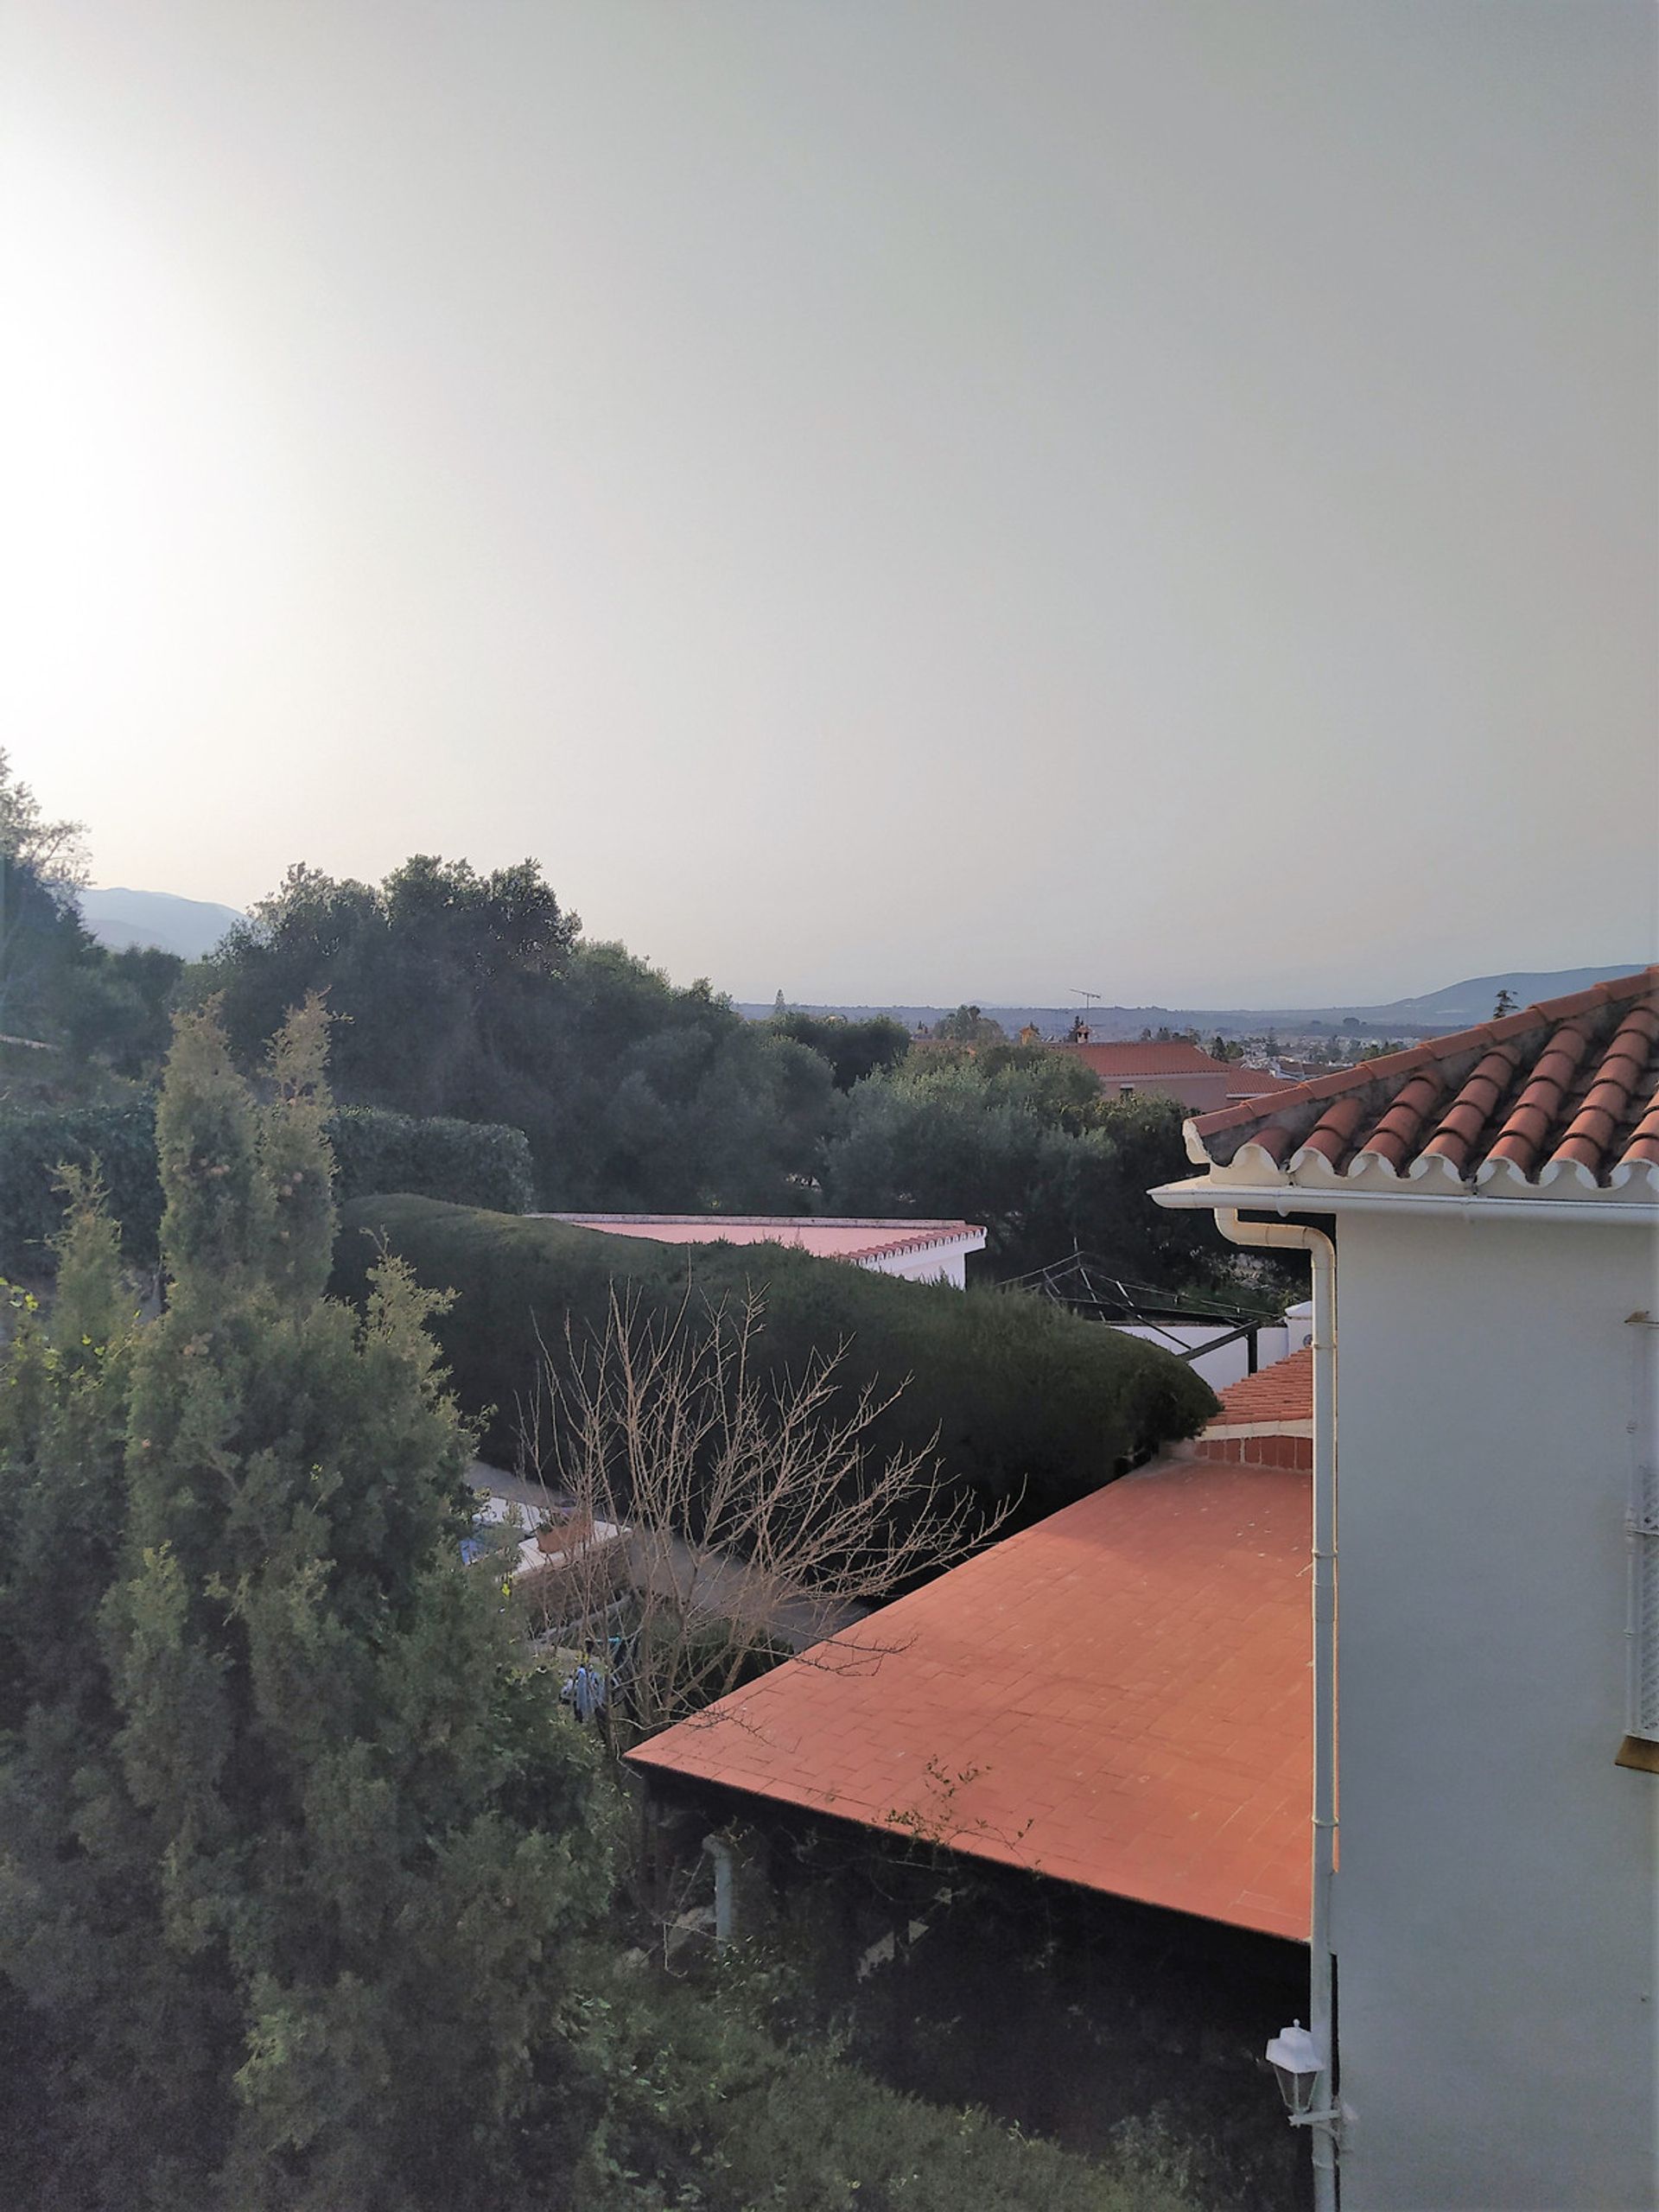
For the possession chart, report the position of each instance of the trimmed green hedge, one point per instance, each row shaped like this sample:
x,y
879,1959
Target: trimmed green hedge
x,y
470,1163
36,1142
1026,1397
474,1163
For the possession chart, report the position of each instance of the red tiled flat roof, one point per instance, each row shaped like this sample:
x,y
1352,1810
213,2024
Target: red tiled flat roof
x,y
1145,1059
1119,1697
831,1237
1566,1092
1281,1392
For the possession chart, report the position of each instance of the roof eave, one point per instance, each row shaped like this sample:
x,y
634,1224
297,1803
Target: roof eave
x,y
1284,1194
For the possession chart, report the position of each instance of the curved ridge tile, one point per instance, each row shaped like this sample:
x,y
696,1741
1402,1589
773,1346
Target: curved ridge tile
x,y
1308,1167
1258,1159
1557,1170
1503,1178
1436,1170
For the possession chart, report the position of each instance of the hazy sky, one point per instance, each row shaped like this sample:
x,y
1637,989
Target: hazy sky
x,y
885,498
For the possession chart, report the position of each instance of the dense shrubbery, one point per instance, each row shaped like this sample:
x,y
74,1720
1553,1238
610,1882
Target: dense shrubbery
x,y
1024,1141
1023,1396
735,2121
474,1163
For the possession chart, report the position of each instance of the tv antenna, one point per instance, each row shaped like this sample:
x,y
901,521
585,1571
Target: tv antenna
x,y
1088,998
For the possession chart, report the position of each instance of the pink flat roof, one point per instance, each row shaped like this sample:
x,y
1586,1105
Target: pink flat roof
x,y
1120,1696
832,1237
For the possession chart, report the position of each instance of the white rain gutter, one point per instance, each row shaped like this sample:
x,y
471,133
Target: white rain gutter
x,y
1295,1236
1204,1191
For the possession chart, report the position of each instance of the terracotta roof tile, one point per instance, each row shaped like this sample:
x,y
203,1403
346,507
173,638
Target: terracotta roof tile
x,y
1643,1146
1538,1108
1569,1087
1617,1083
1126,1688
1394,1138
1461,1125
1332,1135
1281,1392
1143,1057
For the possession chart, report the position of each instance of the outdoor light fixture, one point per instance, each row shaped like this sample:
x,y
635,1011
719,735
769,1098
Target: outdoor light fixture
x,y
1297,2063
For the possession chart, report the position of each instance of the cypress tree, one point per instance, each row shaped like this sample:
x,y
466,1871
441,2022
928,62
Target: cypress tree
x,y
295,1869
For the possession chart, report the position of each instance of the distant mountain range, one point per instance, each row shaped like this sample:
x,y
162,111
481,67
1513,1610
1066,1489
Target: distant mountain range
x,y
1458,1006
193,927
189,927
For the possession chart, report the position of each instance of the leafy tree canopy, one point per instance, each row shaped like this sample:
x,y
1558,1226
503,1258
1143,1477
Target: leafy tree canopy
x,y
58,985
474,997
54,850
968,1025
1024,1140
854,1049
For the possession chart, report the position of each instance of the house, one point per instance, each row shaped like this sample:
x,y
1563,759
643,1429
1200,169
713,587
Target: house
x,y
1175,1069
1482,1215
919,1251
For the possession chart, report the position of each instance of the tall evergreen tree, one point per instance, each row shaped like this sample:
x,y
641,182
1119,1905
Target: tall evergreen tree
x,y
294,1869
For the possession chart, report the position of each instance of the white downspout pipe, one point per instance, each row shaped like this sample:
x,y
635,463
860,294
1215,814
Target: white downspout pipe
x,y
1284,1235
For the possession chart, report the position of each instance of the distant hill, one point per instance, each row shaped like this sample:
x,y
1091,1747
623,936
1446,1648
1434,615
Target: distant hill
x,y
1458,1005
189,927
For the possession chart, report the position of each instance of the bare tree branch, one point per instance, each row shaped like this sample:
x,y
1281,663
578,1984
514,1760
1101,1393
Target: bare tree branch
x,y
757,1515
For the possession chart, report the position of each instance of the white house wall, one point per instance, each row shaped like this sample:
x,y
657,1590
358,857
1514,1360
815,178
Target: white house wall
x,y
946,1261
1495,1908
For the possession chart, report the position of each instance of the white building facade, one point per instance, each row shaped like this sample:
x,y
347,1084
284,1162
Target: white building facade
x,y
1492,1920
1494,1914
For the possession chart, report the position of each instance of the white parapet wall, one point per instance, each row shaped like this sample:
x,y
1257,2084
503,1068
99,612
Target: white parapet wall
x,y
1232,1362
915,1251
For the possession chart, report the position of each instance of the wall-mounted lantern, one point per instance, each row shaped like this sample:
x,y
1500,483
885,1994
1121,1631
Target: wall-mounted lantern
x,y
1298,2065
